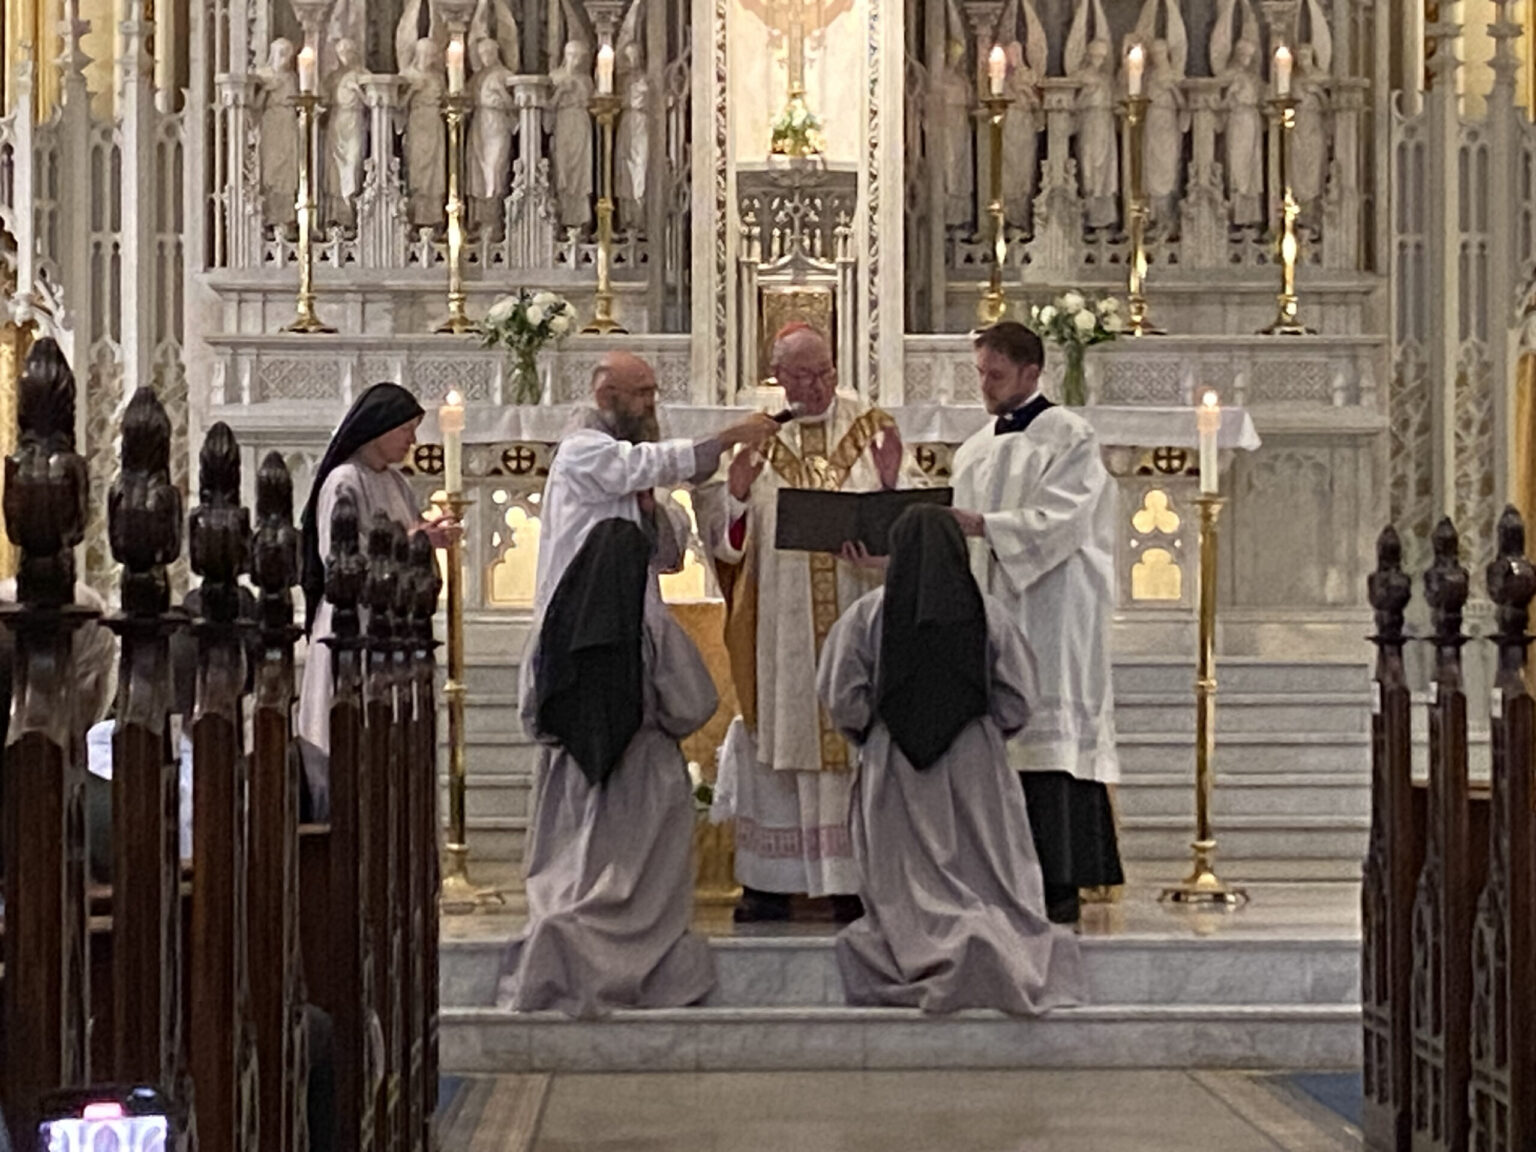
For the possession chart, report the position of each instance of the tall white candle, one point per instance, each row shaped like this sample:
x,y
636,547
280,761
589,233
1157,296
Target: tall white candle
x,y
1208,421
1283,62
307,70
1135,65
455,66
450,421
997,69
605,70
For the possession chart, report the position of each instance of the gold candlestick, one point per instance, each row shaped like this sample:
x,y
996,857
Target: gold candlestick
x,y
992,305
1137,213
1203,886
454,108
459,894
1286,323
307,108
605,109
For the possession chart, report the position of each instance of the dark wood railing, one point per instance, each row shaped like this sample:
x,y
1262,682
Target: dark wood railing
x,y
1449,887
207,983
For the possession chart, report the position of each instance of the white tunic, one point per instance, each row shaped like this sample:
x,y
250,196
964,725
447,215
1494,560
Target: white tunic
x,y
596,477
385,491
1050,508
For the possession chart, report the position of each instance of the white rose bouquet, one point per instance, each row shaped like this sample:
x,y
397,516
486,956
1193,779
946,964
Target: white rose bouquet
x,y
523,322
797,131
1076,323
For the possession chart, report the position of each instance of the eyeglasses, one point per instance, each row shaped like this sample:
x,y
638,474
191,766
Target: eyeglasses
x,y
812,376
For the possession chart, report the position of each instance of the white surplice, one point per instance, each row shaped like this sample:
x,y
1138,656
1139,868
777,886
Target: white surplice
x,y
596,477
791,775
1049,556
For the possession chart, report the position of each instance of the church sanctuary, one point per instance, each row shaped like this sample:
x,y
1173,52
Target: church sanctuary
x,y
761,575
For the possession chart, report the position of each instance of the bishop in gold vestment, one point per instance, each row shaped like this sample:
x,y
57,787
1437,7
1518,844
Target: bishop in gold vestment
x,y
790,770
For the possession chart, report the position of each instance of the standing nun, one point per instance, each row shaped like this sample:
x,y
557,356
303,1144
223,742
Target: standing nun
x,y
361,461
930,678
609,688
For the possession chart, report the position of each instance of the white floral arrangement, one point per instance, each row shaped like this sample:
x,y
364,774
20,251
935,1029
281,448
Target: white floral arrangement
x,y
797,131
1076,322
1075,319
523,322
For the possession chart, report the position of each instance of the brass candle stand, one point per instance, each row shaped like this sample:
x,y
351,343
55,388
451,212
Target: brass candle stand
x,y
1286,322
992,304
605,110
1203,886
307,108
459,893
455,106
1137,213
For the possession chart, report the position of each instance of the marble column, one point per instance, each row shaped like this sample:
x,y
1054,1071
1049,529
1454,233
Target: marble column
x,y
382,222
1204,210
530,219
241,209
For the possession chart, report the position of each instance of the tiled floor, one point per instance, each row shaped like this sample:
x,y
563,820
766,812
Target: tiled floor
x,y
951,1111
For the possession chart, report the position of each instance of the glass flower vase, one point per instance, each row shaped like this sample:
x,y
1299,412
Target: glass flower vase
x,y
1074,379
527,388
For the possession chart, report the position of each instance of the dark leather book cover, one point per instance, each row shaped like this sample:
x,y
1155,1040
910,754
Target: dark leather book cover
x,y
814,521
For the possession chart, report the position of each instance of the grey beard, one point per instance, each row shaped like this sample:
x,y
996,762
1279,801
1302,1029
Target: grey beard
x,y
634,429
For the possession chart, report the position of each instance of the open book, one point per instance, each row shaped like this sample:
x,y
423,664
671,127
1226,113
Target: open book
x,y
815,521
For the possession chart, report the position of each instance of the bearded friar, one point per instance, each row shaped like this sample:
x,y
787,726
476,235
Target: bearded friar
x,y
788,766
608,466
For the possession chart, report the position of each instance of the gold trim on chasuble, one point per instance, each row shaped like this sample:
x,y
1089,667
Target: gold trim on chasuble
x,y
816,468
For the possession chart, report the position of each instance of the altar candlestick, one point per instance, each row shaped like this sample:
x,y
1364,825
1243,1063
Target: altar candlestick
x,y
605,70
450,421
1208,421
1283,64
1135,64
307,71
997,69
455,66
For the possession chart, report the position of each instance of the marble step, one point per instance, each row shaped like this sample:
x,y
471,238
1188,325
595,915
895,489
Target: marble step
x,y
1250,1036
800,971
494,794
1264,753
1269,712
1248,794
1251,870
1334,837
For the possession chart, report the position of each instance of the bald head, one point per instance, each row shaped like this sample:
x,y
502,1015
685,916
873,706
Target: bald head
x,y
803,366
624,388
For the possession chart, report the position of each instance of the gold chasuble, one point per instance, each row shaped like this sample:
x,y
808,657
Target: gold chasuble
x,y
819,465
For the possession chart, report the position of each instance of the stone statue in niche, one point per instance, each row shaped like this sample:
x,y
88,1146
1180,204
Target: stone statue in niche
x,y
1163,140
346,135
1244,136
426,164
1021,136
950,112
493,20
276,86
1098,159
492,124
1234,59
1309,151
632,140
571,122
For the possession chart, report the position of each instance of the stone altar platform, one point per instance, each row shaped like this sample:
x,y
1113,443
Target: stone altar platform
x,y
1273,985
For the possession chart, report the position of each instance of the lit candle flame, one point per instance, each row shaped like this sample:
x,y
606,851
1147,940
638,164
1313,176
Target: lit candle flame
x,y
455,399
1210,400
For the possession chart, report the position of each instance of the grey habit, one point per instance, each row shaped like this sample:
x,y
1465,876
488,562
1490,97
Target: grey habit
x,y
954,907
610,869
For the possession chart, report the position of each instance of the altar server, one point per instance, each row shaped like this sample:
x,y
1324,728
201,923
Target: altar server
x,y
785,764
1033,494
610,687
611,462
930,678
361,460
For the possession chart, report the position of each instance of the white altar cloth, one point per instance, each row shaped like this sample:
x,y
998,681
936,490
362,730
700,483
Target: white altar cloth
x,y
1118,426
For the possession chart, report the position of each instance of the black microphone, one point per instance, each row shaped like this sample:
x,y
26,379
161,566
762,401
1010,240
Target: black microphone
x,y
785,416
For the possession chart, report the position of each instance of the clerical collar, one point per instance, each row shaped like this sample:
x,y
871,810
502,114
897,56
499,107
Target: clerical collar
x,y
1022,417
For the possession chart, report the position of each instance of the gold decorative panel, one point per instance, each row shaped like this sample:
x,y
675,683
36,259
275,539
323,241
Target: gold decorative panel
x,y
1156,576
794,305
